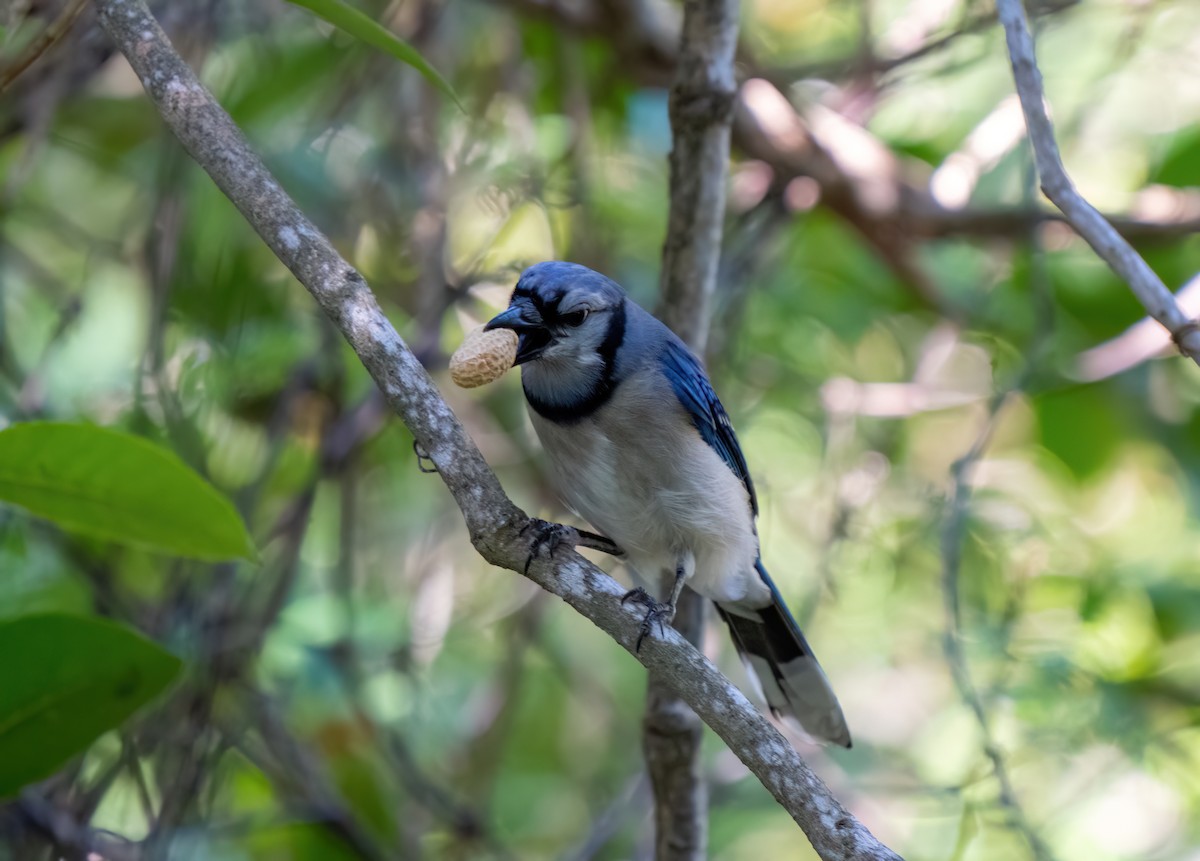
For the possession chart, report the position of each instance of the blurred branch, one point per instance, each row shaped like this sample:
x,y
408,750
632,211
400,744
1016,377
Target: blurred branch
x,y
954,535
54,31
931,220
69,837
701,114
630,802
493,521
488,749
971,24
1087,221
464,822
297,772
1143,340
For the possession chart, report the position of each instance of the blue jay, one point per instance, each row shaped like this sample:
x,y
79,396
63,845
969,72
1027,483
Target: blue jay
x,y
641,448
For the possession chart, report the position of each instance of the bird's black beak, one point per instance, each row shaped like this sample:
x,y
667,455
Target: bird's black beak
x,y
534,337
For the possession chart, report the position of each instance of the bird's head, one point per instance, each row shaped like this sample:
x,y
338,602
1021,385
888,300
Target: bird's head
x,y
564,313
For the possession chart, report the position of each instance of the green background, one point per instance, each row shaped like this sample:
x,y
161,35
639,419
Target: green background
x,y
367,684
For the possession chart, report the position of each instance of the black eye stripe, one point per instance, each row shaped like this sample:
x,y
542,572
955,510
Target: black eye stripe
x,y
547,301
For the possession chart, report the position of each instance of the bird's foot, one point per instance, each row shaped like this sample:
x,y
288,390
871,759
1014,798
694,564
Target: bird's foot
x,y
546,537
657,613
423,458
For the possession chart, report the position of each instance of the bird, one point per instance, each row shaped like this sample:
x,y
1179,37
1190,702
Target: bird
x,y
640,447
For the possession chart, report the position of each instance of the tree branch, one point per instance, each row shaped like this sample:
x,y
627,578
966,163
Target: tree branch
x,y
493,521
1087,221
43,43
701,109
68,836
701,113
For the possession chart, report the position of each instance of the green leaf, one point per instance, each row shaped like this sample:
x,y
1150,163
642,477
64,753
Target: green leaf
x,y
119,487
1083,426
374,34
64,682
1180,165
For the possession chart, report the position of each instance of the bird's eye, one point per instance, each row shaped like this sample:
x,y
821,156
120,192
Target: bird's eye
x,y
575,318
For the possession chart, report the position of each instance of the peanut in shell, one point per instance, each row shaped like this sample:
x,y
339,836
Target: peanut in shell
x,y
483,357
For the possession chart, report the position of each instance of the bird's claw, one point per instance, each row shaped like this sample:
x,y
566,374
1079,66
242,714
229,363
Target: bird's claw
x,y
422,458
657,613
547,537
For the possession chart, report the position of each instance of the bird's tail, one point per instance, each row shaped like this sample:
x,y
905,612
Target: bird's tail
x,y
793,683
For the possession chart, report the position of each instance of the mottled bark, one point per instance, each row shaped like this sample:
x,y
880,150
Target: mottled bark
x,y
701,108
701,113
672,735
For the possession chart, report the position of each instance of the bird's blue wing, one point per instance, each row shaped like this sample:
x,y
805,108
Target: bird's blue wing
x,y
695,392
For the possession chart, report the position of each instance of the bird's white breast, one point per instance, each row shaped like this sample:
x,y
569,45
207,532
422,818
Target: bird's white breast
x,y
639,472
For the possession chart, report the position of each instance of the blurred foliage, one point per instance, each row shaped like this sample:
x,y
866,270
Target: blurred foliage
x,y
76,678
369,688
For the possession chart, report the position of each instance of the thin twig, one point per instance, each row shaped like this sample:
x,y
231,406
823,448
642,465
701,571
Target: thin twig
x,y
46,40
606,824
493,522
953,537
300,776
1087,221
841,66
68,836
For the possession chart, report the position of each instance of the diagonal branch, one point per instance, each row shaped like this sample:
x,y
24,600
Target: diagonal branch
x,y
493,521
43,43
1081,215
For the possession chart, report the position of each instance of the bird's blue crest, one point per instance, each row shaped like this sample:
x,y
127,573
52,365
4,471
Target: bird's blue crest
x,y
548,283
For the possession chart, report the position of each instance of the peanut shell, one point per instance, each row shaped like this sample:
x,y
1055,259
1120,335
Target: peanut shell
x,y
483,357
